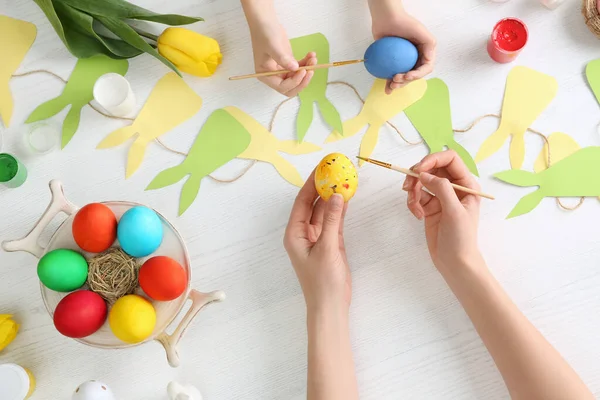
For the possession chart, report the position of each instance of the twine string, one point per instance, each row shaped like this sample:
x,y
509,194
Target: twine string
x,y
587,3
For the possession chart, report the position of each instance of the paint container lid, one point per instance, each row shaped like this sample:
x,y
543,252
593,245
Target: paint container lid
x,y
14,382
42,137
9,166
510,35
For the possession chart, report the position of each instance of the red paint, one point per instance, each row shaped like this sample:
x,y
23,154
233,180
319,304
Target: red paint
x,y
345,185
508,38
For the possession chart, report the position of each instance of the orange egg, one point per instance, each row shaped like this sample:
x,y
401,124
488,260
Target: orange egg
x,y
162,278
95,228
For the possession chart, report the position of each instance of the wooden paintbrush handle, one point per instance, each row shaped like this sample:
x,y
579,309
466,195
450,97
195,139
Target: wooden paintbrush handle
x,y
454,185
306,67
278,72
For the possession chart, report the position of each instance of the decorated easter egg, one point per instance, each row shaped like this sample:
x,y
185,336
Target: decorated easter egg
x,y
140,231
95,228
389,56
80,314
336,174
63,270
93,390
162,278
132,318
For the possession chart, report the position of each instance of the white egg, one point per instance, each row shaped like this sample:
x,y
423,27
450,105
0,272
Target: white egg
x,y
93,390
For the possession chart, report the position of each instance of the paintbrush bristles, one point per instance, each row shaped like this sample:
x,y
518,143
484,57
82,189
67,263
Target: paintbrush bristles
x,y
340,63
376,162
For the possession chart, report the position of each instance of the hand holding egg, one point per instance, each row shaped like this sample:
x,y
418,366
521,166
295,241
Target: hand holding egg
x,y
390,56
392,21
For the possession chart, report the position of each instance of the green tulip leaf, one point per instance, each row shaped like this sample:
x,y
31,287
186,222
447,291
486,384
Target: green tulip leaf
x,y
48,9
125,32
79,24
122,9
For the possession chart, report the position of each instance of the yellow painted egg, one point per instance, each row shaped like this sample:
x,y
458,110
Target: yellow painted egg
x,y
336,174
132,318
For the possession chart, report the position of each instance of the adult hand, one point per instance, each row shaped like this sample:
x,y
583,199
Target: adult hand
x,y
390,19
314,240
451,218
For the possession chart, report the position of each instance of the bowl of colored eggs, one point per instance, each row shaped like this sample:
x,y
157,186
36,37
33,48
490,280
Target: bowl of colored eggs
x,y
162,285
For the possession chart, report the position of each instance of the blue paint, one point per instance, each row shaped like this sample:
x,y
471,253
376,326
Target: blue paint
x,y
140,232
389,56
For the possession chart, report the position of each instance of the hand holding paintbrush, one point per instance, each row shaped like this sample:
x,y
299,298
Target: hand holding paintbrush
x,y
414,174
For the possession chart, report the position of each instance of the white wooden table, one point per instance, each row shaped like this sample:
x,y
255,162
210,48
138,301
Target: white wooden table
x,y
410,336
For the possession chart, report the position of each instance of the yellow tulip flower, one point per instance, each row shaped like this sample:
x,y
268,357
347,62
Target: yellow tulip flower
x,y
191,52
8,330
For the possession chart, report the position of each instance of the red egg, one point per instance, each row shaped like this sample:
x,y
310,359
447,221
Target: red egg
x,y
95,228
80,314
162,278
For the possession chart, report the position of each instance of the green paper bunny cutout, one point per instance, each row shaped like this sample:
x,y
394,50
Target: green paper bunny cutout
x,y
431,117
592,72
78,92
315,91
577,175
221,139
227,134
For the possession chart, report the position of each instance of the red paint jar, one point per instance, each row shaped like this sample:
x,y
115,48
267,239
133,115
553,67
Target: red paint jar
x,y
507,40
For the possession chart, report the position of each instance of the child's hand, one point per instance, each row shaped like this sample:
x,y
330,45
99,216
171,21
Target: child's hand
x,y
272,51
392,20
451,218
314,240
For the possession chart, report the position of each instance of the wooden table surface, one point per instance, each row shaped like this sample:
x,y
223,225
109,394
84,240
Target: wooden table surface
x,y
410,336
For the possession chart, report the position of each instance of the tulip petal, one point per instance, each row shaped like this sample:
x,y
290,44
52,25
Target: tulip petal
x,y
176,56
190,51
8,330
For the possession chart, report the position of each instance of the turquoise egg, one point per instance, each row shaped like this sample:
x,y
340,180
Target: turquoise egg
x,y
389,56
140,231
62,270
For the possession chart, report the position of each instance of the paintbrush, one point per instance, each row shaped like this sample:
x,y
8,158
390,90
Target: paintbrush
x,y
415,175
306,67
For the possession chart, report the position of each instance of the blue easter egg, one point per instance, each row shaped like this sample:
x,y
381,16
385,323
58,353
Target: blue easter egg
x,y
140,231
389,56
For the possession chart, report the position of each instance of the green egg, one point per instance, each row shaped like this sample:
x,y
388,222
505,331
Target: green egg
x,y
63,270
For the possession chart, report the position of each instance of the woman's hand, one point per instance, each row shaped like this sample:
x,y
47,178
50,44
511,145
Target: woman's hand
x,y
451,218
390,19
272,49
314,240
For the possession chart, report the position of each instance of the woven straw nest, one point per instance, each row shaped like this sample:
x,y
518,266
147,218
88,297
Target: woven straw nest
x,y
592,15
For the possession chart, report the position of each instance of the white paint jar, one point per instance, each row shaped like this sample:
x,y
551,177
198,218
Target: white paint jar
x,y
16,382
113,93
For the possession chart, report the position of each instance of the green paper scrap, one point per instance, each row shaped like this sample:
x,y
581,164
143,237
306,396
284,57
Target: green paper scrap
x,y
221,139
573,176
592,72
315,91
431,116
78,92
